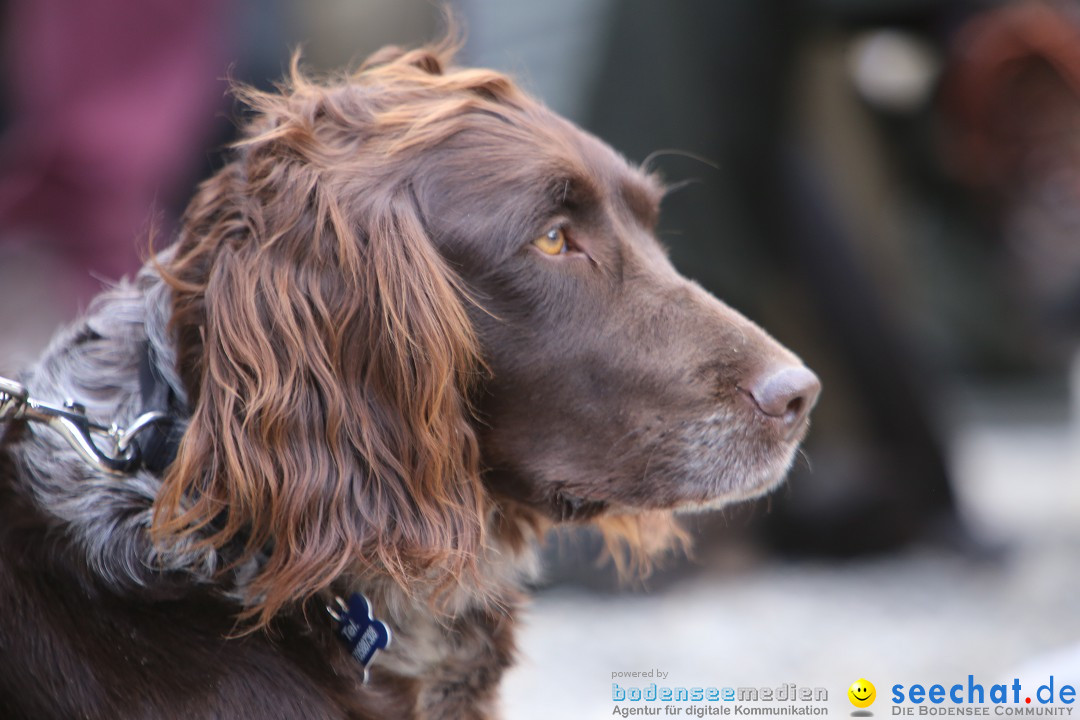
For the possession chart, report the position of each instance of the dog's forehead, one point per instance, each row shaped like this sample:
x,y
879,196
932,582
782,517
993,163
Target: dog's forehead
x,y
582,153
535,153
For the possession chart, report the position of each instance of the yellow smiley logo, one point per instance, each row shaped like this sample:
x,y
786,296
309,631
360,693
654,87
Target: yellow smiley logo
x,y
862,693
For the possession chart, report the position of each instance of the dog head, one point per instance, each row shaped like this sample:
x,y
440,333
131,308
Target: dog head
x,y
415,296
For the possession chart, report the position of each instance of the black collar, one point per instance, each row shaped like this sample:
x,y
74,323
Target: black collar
x,y
159,442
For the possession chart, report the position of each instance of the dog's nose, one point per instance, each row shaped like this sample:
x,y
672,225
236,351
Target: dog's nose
x,y
787,393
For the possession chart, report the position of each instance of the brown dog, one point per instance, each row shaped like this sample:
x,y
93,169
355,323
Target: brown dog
x,y
414,321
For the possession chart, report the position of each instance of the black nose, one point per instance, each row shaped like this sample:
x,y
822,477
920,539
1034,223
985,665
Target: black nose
x,y
787,393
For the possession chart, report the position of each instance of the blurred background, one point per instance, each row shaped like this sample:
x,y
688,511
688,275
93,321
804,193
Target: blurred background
x,y
891,187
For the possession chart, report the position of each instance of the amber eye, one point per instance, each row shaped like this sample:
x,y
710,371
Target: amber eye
x,y
553,242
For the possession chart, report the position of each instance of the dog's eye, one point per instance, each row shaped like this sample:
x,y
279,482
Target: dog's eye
x,y
553,242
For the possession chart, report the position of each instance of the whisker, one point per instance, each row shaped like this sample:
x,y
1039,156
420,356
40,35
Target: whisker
x,y
648,460
682,184
679,153
629,434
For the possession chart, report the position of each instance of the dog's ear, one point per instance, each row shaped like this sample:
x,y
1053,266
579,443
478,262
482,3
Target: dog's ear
x,y
329,355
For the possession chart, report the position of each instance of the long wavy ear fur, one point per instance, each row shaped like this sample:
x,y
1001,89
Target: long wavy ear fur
x,y
328,357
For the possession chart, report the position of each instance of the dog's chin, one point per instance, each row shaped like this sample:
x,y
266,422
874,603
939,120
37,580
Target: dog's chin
x,y
741,494
700,484
729,480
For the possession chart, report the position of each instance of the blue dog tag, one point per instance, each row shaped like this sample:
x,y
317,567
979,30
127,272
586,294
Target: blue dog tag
x,y
361,633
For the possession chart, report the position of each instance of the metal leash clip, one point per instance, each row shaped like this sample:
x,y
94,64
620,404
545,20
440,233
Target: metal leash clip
x,y
122,455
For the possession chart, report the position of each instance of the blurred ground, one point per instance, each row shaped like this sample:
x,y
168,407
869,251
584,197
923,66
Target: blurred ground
x,y
925,616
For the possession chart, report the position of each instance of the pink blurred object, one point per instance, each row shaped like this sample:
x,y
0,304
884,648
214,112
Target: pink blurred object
x,y
1012,102
111,102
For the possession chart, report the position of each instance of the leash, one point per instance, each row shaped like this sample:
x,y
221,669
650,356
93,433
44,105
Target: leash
x,y
150,442
110,448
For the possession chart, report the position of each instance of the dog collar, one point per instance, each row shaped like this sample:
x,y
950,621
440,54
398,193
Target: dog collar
x,y
159,443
